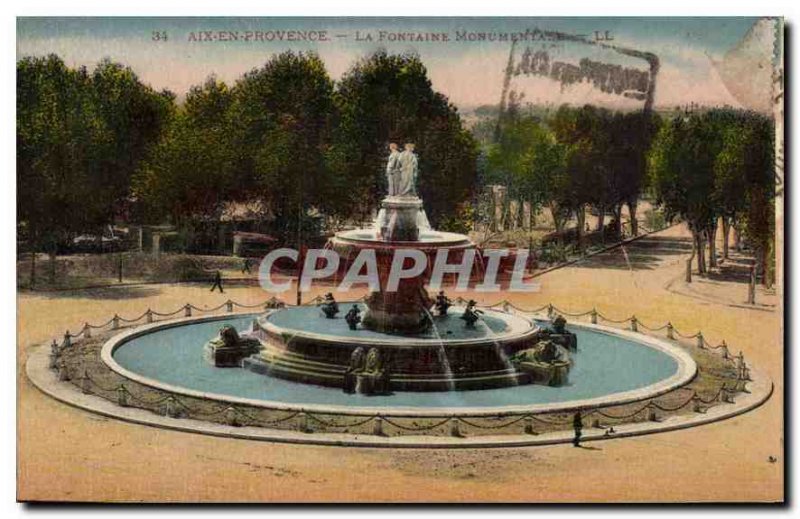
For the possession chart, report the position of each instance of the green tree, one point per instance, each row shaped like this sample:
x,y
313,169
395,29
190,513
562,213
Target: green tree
x,y
389,98
79,139
745,184
531,163
190,172
61,139
585,132
281,116
136,117
681,168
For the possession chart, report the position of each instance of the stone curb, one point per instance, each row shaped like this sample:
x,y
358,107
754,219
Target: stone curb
x,y
38,372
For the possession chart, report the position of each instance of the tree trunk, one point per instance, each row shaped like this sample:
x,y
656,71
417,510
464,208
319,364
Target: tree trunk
x,y
726,229
701,254
33,270
712,245
737,238
601,222
618,222
558,222
52,265
580,216
632,204
691,258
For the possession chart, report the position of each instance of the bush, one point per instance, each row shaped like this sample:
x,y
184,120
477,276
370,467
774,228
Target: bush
x,y
179,268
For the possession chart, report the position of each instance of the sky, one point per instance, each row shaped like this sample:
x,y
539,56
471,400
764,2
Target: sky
x,y
470,73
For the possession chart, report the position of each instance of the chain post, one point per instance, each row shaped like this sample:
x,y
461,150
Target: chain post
x,y
302,423
86,383
170,409
230,417
529,425
377,427
455,428
122,396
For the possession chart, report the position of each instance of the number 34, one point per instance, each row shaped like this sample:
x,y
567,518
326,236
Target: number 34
x,y
159,36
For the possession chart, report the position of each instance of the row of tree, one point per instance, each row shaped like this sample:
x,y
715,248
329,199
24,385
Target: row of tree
x,y
80,138
718,166
285,134
574,159
712,168
288,135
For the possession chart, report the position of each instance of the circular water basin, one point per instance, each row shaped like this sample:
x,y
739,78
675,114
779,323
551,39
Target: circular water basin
x,y
309,321
611,366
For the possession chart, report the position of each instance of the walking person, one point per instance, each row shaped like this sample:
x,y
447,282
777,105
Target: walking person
x,y
577,425
217,282
246,266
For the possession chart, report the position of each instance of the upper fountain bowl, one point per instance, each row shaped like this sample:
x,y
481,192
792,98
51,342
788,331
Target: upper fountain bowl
x,y
429,238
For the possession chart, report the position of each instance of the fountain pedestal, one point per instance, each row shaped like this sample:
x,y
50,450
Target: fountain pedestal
x,y
399,217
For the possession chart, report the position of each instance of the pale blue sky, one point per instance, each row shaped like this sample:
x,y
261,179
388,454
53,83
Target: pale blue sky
x,y
470,73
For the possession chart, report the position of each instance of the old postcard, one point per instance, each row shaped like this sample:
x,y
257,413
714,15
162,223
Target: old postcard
x,y
400,259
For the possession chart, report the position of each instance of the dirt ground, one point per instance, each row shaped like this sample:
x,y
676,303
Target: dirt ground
x,y
68,454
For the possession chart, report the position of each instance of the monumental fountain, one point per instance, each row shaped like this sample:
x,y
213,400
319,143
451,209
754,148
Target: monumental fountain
x,y
400,338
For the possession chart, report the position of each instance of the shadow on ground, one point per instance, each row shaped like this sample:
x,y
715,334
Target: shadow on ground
x,y
109,293
643,254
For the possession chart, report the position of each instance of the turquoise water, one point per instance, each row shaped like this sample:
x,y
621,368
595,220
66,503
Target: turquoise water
x,y
604,364
311,319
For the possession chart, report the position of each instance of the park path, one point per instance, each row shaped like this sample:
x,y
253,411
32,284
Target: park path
x,y
64,453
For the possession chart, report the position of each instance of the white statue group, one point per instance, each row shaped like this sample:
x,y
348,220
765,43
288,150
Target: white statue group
x,y
401,171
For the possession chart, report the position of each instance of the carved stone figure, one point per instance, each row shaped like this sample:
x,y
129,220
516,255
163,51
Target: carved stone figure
x,y
229,335
229,348
329,307
407,185
366,374
547,363
442,303
373,364
357,359
560,335
353,317
393,171
471,314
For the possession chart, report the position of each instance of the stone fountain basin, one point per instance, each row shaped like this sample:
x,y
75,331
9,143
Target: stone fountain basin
x,y
613,367
302,345
370,237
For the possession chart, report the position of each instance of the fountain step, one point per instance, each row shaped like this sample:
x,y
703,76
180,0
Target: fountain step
x,y
275,355
333,376
329,369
